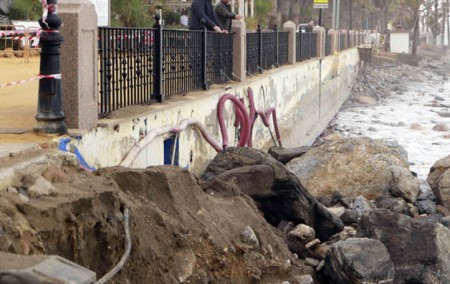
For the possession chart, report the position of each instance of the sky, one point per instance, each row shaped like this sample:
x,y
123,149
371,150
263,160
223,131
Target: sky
x,y
407,114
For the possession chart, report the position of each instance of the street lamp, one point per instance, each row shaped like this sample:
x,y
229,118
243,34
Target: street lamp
x,y
50,115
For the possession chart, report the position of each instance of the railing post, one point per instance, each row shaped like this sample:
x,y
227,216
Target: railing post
x,y
260,49
50,116
277,59
290,27
157,60
239,50
204,52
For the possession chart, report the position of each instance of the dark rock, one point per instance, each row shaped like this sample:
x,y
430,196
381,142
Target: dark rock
x,y
426,195
396,205
327,201
330,201
361,205
349,217
346,201
426,206
418,248
276,191
437,219
284,155
359,260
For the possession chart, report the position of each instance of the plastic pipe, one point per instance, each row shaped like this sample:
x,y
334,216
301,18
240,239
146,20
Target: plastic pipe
x,y
134,152
243,119
265,117
125,256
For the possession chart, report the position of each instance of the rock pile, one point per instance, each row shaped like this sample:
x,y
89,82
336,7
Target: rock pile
x,y
395,232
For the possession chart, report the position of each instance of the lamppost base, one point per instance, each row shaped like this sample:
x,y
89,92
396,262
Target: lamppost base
x,y
51,127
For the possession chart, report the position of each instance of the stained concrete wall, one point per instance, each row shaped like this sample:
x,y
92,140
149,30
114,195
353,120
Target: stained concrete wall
x,y
306,96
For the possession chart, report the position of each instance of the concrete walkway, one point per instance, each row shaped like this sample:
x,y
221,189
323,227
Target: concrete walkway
x,y
9,150
18,108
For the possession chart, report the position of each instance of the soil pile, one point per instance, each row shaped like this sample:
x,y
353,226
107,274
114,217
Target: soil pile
x,y
179,233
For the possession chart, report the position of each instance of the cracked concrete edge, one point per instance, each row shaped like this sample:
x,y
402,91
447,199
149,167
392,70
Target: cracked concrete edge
x,y
12,171
11,150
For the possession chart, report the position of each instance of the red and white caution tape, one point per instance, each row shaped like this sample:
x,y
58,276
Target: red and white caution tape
x,y
46,9
44,12
38,77
33,36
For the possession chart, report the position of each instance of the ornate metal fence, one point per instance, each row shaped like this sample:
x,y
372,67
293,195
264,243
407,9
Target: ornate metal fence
x,y
219,58
126,67
313,49
181,61
253,47
283,48
327,45
306,46
140,66
266,49
342,45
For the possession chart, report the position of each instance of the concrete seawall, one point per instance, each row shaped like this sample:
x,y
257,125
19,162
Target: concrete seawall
x,y
306,96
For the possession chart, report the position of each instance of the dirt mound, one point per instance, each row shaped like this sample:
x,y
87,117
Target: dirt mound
x,y
179,233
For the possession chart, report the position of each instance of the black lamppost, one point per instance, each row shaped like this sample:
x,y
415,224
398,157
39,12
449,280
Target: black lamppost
x,y
50,115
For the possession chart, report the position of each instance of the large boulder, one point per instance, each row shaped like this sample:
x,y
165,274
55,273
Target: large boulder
x,y
418,248
359,260
439,180
277,192
356,166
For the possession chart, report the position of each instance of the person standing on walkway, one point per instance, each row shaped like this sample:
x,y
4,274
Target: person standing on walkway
x,y
224,14
184,20
202,12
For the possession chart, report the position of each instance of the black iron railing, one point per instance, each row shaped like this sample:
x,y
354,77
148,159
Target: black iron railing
x,y
253,43
269,50
266,49
141,66
327,45
219,58
313,43
125,67
283,48
181,61
306,46
342,41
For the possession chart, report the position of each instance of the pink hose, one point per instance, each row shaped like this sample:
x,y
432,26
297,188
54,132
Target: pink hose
x,y
264,116
252,115
244,120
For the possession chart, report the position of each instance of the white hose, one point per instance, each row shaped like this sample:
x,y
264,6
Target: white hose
x,y
134,152
125,256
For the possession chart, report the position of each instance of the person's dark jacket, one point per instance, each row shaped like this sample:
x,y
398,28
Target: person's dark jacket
x,y
202,9
224,14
